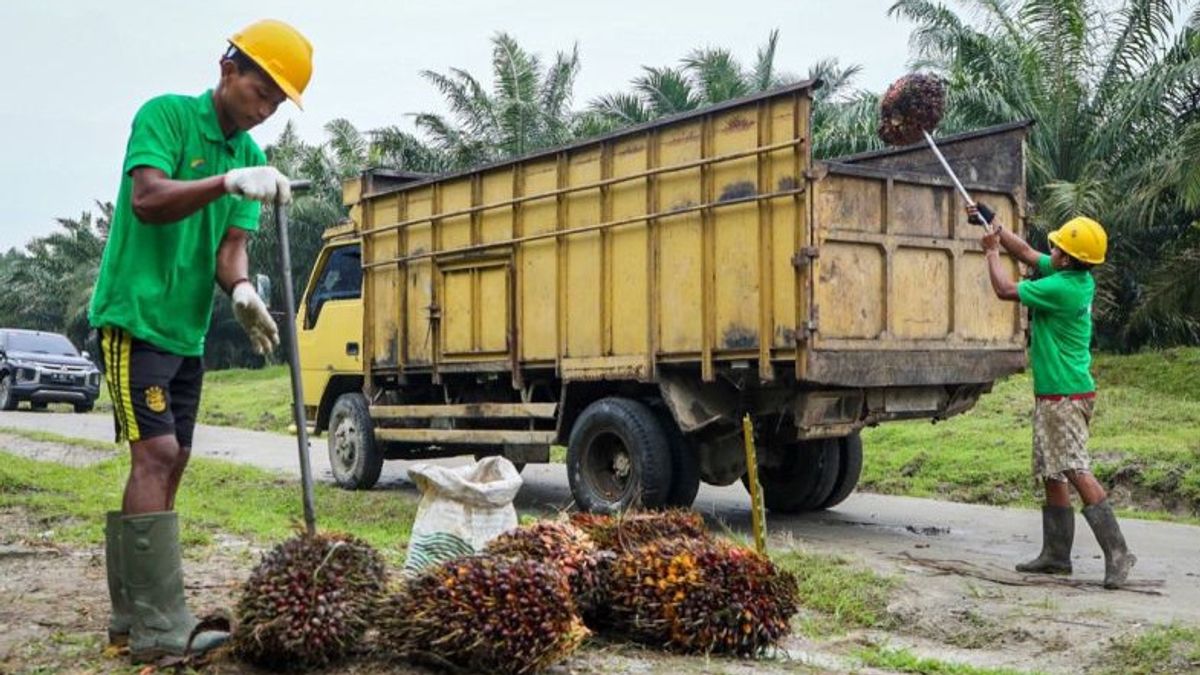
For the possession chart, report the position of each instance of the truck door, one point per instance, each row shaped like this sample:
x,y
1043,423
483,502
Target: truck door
x,y
330,320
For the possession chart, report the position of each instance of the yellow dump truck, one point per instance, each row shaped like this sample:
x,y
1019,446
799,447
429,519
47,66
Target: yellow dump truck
x,y
633,296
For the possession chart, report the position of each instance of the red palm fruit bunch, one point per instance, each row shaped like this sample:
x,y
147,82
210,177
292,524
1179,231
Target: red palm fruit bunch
x,y
560,544
700,596
309,601
913,104
623,532
484,614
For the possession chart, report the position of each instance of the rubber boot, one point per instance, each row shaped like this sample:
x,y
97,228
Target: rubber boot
x,y
1117,558
1058,535
122,616
153,574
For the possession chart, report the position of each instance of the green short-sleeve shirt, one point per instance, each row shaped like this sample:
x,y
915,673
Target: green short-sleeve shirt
x,y
156,281
1060,304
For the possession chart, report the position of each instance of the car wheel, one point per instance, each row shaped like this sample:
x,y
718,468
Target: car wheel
x,y
85,407
353,455
7,400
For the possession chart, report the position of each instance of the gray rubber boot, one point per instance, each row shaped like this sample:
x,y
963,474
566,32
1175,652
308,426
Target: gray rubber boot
x,y
153,574
122,615
1058,535
1117,558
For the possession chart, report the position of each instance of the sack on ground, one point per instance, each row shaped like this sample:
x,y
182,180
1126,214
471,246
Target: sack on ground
x,y
462,508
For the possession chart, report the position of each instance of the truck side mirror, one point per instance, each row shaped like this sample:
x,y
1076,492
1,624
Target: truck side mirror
x,y
262,286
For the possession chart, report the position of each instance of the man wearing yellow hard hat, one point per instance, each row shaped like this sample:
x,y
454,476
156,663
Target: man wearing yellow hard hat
x,y
191,186
1060,308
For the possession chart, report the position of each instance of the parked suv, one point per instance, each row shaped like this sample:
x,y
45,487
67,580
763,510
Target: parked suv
x,y
45,368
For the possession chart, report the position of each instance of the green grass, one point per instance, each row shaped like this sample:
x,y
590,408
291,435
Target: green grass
x,y
841,595
904,661
1162,649
216,497
1143,438
250,399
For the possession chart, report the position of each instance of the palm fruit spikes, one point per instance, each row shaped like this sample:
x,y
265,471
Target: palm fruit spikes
x,y
559,544
484,614
912,105
623,532
700,597
309,601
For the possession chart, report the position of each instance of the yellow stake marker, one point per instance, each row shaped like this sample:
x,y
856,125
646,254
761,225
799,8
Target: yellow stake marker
x,y
758,516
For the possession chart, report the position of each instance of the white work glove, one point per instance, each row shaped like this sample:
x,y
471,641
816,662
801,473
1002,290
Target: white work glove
x,y
252,314
261,183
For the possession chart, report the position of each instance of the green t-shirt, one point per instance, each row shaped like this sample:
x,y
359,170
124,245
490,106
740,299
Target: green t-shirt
x,y
1060,304
156,281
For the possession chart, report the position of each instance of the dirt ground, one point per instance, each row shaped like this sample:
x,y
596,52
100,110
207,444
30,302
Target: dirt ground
x,y
53,605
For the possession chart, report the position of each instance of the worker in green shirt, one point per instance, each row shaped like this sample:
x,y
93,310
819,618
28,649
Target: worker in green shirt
x,y
191,187
1060,309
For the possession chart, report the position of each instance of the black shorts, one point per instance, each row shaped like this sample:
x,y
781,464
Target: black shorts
x,y
154,392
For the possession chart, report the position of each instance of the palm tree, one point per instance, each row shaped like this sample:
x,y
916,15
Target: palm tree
x,y
528,107
1114,92
705,76
48,285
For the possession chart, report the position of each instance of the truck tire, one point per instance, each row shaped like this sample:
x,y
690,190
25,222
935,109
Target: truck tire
x,y
618,457
685,464
849,470
805,479
36,405
7,400
353,455
85,407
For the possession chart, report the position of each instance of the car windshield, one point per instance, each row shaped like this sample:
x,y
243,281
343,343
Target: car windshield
x,y
41,343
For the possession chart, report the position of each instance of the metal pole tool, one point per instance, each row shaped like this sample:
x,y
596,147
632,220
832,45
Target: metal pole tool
x,y
293,353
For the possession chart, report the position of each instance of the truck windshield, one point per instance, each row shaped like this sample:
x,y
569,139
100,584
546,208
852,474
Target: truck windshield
x,y
41,343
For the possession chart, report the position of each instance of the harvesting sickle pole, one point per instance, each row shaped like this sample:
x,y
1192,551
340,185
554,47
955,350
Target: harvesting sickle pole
x,y
293,353
910,109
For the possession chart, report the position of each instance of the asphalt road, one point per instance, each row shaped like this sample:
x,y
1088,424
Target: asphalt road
x,y
879,529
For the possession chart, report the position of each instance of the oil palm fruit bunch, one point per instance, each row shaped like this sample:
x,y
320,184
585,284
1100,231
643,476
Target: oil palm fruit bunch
x,y
700,596
309,601
912,105
622,532
484,613
560,544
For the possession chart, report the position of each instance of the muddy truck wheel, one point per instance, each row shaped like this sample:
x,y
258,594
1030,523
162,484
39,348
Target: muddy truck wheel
x,y
804,480
355,458
618,457
849,470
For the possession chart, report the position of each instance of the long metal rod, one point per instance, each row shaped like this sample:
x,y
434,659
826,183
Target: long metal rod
x,y
289,331
950,172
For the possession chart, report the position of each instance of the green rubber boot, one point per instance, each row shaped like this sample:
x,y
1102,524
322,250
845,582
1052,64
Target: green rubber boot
x,y
153,574
1117,558
122,615
1058,535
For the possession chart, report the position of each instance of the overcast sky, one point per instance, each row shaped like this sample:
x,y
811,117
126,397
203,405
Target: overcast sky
x,y
77,70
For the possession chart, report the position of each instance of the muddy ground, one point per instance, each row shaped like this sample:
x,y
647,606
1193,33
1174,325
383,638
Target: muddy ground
x,y
949,602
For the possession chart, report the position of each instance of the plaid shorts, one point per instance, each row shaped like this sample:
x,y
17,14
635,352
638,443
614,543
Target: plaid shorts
x,y
1060,436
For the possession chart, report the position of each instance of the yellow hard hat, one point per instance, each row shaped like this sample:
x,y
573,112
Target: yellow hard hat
x,y
1081,238
281,51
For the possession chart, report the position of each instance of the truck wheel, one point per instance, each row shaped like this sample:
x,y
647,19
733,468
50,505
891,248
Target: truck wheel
x,y
353,455
804,480
85,407
7,400
685,464
849,469
618,457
